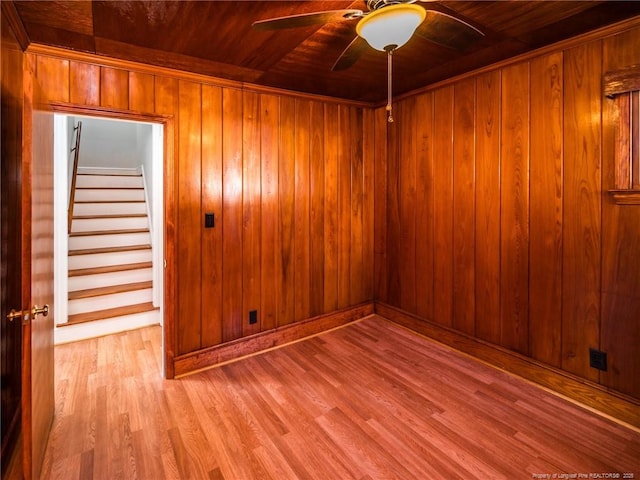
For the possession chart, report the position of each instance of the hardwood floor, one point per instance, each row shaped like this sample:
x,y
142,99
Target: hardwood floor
x,y
367,401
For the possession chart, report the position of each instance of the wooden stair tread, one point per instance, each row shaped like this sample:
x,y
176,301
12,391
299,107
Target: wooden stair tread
x,y
108,201
89,251
110,174
99,291
109,232
109,269
108,313
123,187
111,215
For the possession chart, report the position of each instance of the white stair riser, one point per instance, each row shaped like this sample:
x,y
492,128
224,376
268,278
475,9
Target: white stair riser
x,y
109,240
84,282
107,259
108,171
102,224
114,300
112,181
123,208
84,195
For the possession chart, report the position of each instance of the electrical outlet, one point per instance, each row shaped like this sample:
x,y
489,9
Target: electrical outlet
x,y
598,359
253,317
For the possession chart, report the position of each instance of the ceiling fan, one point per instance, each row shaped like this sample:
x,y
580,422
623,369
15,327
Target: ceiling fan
x,y
386,26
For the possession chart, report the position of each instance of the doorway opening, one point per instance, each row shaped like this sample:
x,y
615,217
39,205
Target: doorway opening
x,y
109,253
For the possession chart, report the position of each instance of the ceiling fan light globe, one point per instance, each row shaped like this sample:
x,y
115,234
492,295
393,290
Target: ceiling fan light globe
x,y
391,25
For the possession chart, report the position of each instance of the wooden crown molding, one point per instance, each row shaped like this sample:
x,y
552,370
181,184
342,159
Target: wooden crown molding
x,y
10,12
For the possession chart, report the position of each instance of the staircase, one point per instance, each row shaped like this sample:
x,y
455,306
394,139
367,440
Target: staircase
x,y
110,256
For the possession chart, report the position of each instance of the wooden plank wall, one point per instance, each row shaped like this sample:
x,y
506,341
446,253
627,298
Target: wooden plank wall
x,y
289,179
494,218
11,125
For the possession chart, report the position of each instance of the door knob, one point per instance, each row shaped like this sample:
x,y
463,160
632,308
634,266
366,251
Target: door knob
x,y
13,314
44,310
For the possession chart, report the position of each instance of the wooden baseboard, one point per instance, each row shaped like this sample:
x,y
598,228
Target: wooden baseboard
x,y
213,356
618,406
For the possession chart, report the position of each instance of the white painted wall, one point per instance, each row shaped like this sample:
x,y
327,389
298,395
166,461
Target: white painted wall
x,y
112,143
61,147
144,145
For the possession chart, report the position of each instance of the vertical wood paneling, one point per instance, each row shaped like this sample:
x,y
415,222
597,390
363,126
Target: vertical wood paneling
x,y
344,205
84,83
251,195
368,195
514,221
394,275
232,214
581,225
356,243
211,185
443,206
424,125
331,132
316,185
270,261
166,94
53,79
406,114
380,153
545,250
286,186
141,93
189,224
302,278
487,245
287,179
464,207
114,88
620,330
556,267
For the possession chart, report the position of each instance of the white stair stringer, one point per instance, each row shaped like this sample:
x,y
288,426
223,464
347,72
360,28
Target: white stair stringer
x,y
110,279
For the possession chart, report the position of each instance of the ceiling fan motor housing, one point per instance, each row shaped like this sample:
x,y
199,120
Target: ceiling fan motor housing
x,y
376,4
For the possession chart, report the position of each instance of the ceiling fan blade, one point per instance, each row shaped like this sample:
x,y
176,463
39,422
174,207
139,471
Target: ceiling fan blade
x,y
351,54
448,31
306,19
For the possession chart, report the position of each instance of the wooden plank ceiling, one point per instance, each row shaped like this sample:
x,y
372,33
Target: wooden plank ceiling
x,y
216,38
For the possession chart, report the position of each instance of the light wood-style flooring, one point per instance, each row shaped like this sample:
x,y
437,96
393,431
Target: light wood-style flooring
x,y
366,401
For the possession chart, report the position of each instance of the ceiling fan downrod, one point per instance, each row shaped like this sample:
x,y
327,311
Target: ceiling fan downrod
x,y
389,83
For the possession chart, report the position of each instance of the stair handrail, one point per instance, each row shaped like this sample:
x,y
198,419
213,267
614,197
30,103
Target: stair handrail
x,y
76,153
